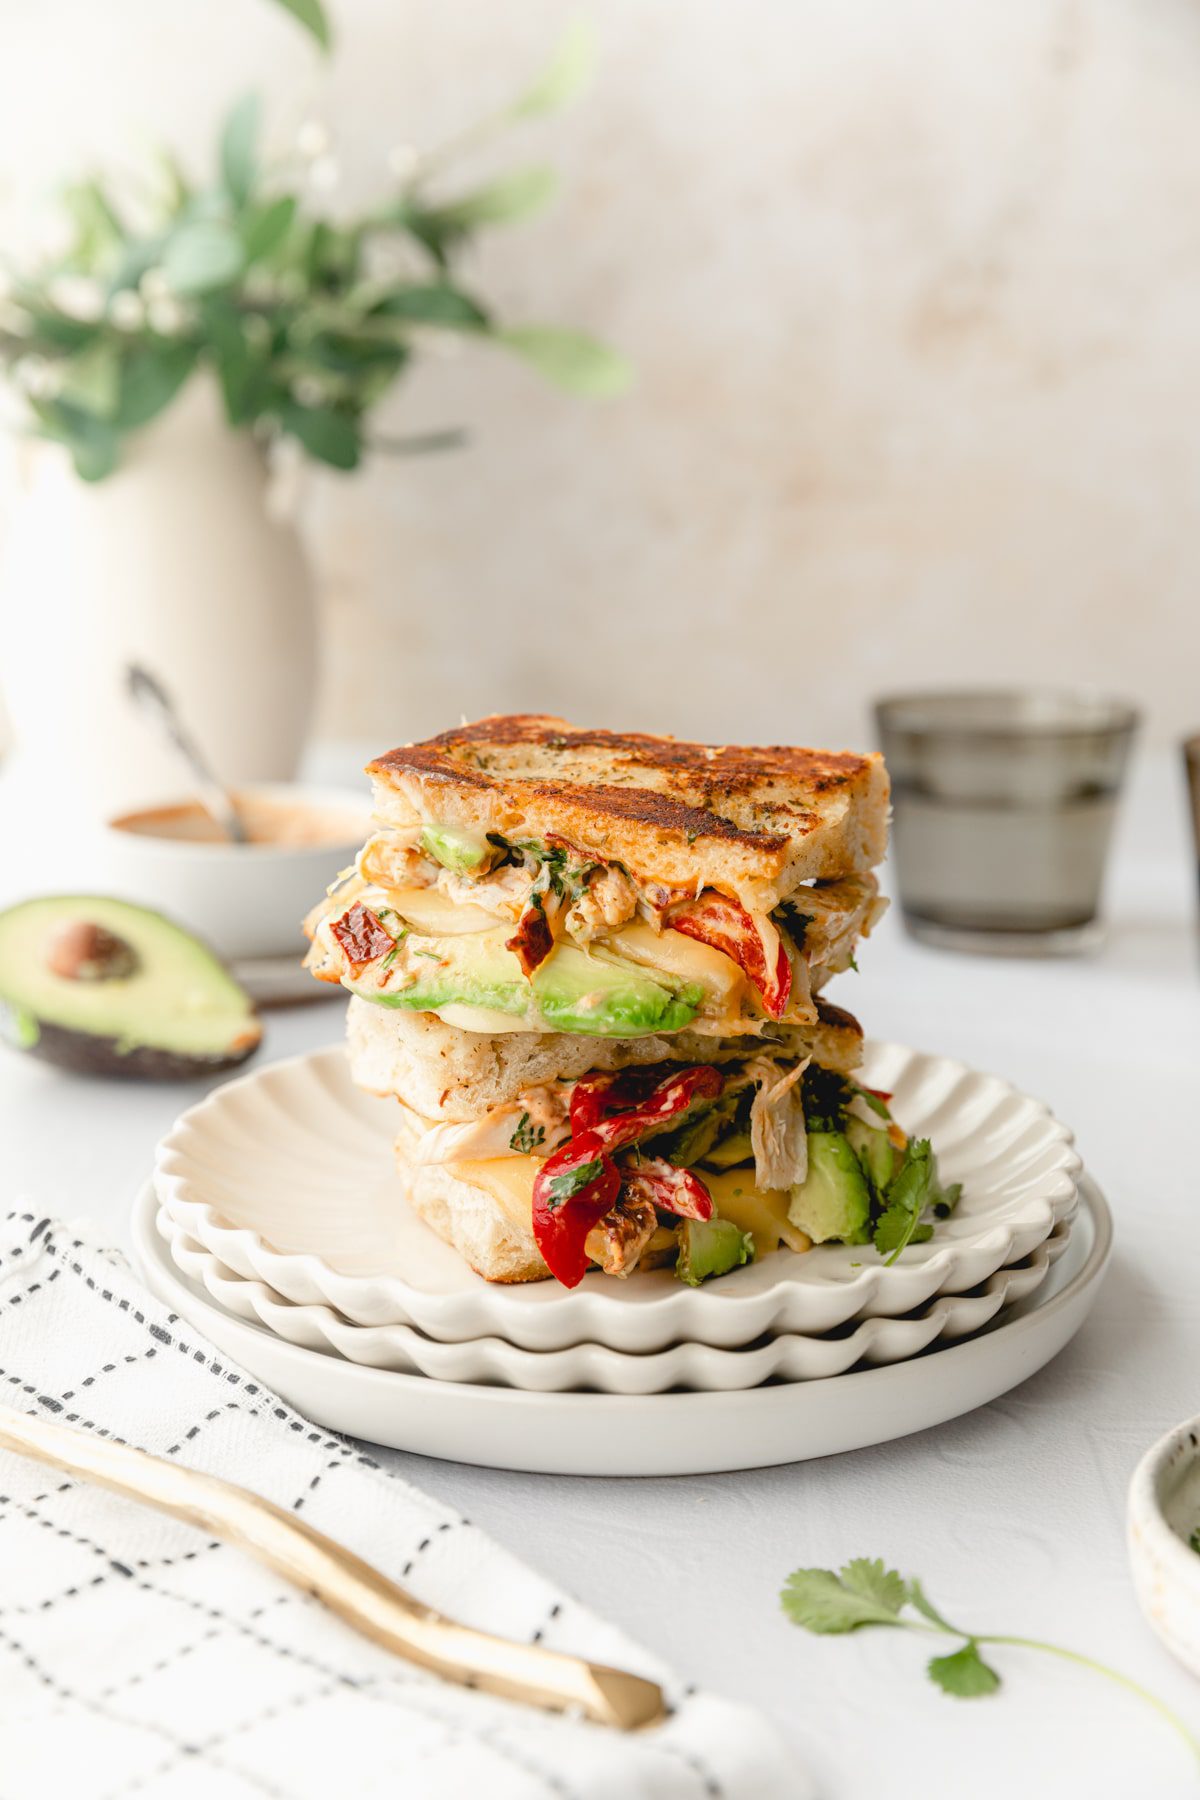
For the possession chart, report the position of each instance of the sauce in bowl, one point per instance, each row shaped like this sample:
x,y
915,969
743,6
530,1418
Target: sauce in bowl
x,y
284,824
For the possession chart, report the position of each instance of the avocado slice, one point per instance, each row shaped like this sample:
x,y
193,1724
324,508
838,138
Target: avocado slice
x,y
577,992
456,849
732,1150
833,1201
710,1247
873,1150
475,969
104,987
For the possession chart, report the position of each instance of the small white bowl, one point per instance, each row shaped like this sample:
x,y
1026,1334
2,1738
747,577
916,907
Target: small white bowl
x,y
246,900
1163,1511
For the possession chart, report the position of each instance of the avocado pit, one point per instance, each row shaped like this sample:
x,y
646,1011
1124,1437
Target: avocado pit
x,y
81,950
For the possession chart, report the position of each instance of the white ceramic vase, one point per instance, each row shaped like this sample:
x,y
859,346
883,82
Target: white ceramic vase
x,y
173,561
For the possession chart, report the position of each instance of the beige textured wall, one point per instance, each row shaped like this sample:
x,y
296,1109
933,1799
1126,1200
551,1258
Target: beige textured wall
x,y
914,290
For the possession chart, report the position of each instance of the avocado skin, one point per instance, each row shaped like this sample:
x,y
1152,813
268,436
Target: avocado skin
x,y
833,1201
82,1053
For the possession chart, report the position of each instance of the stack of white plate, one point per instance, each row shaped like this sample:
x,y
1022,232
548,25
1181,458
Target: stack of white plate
x,y
277,1198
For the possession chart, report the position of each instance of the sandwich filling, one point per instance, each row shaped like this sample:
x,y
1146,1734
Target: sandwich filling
x,y
494,934
699,1167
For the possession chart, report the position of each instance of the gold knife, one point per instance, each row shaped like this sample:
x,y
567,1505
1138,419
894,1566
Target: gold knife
x,y
346,1584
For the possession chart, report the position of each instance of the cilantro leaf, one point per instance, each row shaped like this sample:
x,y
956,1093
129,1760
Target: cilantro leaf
x,y
561,1188
964,1674
919,1598
868,1576
821,1601
904,1199
527,1138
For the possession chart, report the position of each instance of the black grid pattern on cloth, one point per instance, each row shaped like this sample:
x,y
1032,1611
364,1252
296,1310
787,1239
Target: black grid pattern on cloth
x,y
70,1406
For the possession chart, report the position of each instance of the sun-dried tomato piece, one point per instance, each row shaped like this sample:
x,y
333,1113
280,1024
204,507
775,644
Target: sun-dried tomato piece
x,y
717,920
362,936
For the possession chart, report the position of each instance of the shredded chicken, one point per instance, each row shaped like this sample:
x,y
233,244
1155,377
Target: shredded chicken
x,y
839,913
777,1131
504,892
391,859
548,1105
617,1242
609,900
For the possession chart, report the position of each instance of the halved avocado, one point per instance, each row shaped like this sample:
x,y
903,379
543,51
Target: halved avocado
x,y
107,988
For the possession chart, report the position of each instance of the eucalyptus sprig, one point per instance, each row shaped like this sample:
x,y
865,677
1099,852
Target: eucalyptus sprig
x,y
865,1592
305,319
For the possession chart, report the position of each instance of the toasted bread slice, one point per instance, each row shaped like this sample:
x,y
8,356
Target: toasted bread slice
x,y
456,1076
754,822
467,1218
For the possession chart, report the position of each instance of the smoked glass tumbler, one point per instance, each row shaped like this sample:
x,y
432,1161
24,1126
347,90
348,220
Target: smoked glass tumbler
x,y
1004,802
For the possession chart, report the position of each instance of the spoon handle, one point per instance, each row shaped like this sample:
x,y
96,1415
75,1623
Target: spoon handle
x,y
350,1587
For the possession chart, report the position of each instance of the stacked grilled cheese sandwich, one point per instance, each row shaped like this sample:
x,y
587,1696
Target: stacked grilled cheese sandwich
x,y
589,968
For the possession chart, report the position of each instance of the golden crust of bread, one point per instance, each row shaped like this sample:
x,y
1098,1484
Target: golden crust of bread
x,y
755,820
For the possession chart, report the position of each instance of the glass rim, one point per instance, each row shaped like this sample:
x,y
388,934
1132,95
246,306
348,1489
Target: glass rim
x,y
1068,713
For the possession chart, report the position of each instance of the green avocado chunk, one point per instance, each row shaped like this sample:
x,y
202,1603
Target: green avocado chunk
x,y
103,987
458,850
873,1150
576,992
710,1247
833,1201
475,969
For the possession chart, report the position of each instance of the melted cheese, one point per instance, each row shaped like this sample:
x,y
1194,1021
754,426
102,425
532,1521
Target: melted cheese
x,y
508,1180
760,1211
685,959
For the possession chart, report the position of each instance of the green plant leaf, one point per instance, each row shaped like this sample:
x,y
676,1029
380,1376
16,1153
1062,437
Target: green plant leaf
x,y
311,14
517,195
151,376
569,359
202,254
904,1199
91,379
819,1601
332,437
869,1578
92,442
264,229
99,230
918,1598
964,1674
565,75
239,148
434,303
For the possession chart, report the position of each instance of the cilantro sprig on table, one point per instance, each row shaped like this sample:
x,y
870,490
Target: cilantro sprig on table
x,y
864,1592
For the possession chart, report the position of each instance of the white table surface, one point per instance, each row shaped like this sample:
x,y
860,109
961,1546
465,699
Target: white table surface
x,y
1013,1517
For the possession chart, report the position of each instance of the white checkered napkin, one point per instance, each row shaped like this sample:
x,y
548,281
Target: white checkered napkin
x,y
139,1657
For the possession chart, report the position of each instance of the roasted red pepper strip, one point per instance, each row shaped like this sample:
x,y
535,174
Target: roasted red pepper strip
x,y
674,1190
879,1093
600,1108
362,935
572,1191
533,939
717,920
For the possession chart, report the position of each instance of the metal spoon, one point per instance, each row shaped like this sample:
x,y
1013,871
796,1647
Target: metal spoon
x,y
148,692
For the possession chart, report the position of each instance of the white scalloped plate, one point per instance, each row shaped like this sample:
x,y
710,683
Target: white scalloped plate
x,y
286,1175
790,1357
654,1434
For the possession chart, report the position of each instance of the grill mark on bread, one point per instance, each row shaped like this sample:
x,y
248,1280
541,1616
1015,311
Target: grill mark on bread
x,y
706,775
